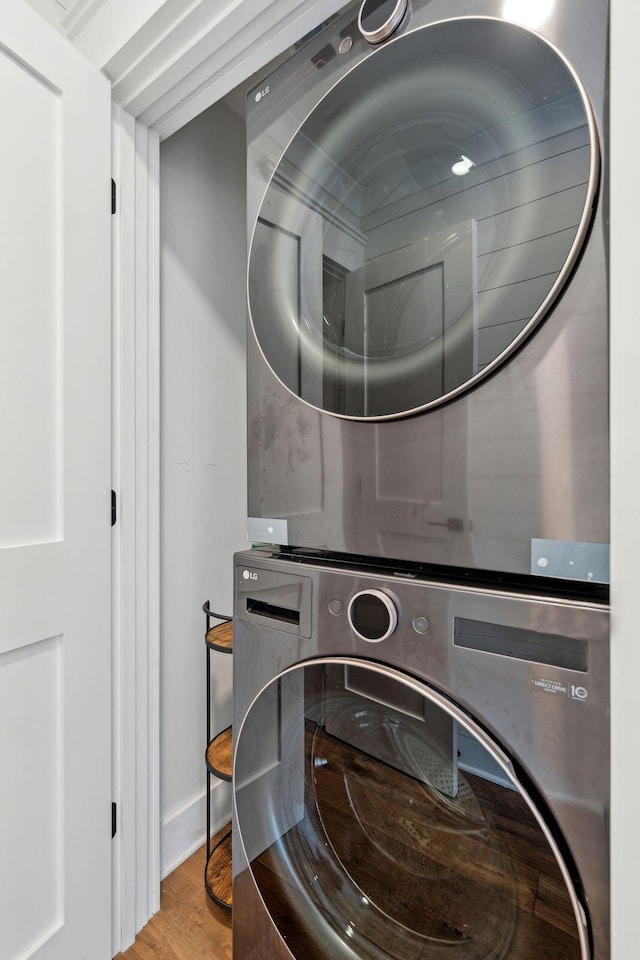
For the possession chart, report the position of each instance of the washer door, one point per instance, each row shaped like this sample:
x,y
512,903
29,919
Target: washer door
x,y
423,219
380,822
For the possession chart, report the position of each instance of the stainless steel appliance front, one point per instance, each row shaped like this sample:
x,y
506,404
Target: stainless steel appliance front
x,y
420,769
427,291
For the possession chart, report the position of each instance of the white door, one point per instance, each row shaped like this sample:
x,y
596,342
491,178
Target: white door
x,y
55,645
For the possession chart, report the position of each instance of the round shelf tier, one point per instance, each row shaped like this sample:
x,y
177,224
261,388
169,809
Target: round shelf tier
x,y
217,873
220,637
219,755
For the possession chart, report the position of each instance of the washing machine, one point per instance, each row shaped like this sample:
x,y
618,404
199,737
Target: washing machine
x,y
427,289
420,768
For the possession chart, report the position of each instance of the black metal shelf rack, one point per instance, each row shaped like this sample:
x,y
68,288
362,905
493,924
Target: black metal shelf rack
x,y
218,759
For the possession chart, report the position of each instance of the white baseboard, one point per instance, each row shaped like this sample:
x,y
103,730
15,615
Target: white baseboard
x,y
184,832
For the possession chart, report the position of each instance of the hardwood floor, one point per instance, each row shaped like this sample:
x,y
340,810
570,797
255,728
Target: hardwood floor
x,y
189,925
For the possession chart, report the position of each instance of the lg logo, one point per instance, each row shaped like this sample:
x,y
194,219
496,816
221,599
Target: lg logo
x,y
248,575
260,94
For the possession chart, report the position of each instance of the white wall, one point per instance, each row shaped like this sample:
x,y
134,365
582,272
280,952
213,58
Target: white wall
x,y
203,471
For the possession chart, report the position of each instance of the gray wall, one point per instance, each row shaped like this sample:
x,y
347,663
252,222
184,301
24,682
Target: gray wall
x,y
203,458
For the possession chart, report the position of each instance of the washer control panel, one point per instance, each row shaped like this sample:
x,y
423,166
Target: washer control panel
x,y
373,615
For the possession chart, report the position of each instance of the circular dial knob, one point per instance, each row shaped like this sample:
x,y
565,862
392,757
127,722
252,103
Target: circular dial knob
x,y
372,615
379,18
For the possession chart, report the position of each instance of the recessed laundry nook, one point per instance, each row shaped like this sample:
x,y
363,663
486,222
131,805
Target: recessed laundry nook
x,y
321,458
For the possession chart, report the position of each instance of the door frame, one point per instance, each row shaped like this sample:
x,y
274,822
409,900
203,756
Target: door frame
x,y
136,537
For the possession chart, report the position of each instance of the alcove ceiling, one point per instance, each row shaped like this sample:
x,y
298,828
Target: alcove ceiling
x,y
168,60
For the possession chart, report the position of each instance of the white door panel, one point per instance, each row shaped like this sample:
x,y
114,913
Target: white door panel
x,y
55,632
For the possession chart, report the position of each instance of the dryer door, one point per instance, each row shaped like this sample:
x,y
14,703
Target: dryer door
x,y
423,219
379,821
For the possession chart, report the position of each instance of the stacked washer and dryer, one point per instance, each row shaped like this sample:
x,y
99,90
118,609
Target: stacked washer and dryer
x,y
421,660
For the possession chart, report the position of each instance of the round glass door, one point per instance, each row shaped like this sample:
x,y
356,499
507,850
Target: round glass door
x,y
379,822
423,219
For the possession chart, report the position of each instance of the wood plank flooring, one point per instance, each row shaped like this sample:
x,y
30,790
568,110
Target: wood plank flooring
x,y
189,925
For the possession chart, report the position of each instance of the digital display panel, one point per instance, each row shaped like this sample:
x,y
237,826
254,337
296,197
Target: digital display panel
x,y
570,653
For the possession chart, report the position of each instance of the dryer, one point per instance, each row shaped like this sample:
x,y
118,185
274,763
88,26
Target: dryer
x,y
420,768
427,288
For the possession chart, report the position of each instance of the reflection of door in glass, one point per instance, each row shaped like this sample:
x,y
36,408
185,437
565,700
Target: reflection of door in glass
x,y
288,242
412,319
334,318
371,337
271,239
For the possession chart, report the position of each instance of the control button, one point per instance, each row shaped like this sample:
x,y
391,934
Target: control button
x,y
379,18
345,45
420,624
335,607
372,615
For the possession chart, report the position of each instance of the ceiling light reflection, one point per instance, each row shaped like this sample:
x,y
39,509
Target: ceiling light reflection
x,y
462,166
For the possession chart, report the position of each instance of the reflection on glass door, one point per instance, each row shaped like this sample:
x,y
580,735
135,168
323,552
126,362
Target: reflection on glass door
x,y
468,124
369,839
334,318
411,325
